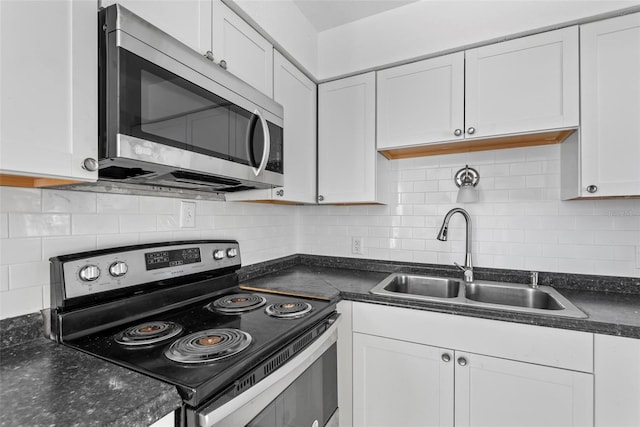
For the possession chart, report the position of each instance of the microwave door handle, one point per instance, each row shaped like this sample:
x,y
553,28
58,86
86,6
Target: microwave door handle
x,y
266,150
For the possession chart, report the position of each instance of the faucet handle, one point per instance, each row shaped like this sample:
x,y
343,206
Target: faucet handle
x,y
459,266
468,272
534,279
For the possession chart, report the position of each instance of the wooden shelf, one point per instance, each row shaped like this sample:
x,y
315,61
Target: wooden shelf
x,y
511,141
32,182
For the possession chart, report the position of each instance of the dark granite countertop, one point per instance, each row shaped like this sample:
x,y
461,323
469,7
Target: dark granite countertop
x,y
610,313
43,383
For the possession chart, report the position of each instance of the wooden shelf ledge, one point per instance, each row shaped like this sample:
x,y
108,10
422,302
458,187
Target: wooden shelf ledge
x,y
498,143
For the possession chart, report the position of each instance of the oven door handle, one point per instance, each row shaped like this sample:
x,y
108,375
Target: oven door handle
x,y
242,409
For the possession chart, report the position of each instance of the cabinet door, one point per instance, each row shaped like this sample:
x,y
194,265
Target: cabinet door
x,y
617,381
298,96
523,85
48,79
398,383
610,88
422,102
248,55
346,140
186,20
499,392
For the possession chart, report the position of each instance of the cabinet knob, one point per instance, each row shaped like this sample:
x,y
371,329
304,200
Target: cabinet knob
x,y
446,357
90,164
280,193
209,55
462,361
471,130
592,188
320,198
315,423
223,64
457,132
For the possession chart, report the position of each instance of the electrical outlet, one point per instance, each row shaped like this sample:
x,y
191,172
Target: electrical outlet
x,y
187,214
356,246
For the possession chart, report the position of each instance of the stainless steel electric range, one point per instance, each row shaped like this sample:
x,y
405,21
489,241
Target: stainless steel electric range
x,y
175,311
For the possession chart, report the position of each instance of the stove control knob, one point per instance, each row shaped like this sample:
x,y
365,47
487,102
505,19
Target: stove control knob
x,y
218,254
89,273
118,269
232,252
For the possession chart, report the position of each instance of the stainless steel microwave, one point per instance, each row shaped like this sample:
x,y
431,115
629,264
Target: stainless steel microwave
x,y
170,117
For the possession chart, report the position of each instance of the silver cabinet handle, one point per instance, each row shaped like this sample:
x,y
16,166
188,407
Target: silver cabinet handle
x,y
462,361
280,193
223,64
457,132
90,164
320,198
446,357
592,188
209,55
471,130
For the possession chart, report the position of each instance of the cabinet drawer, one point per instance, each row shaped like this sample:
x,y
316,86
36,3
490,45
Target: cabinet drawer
x,y
534,344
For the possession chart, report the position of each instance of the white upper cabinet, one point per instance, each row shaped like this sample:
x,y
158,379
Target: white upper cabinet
x,y
610,91
186,20
49,84
347,158
523,85
421,102
298,96
248,55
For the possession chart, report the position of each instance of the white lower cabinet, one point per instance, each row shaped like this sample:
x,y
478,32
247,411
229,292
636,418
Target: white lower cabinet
x,y
418,368
617,381
399,383
491,391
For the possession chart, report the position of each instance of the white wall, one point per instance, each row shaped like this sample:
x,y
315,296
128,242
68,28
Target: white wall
x,y
519,222
38,224
428,27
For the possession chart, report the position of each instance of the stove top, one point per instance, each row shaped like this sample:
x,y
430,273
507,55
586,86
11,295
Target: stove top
x,y
175,311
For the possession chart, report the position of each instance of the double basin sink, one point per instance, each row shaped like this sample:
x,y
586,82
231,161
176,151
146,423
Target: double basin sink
x,y
494,295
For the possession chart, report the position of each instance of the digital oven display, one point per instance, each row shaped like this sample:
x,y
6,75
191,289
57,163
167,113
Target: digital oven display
x,y
163,259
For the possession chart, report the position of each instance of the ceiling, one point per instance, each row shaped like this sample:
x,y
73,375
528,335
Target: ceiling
x,y
326,14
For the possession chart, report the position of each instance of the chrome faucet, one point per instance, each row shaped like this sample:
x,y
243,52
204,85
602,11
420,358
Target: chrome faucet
x,y
442,236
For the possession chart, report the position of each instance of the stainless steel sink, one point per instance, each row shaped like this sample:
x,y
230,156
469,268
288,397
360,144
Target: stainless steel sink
x,y
494,295
418,287
511,295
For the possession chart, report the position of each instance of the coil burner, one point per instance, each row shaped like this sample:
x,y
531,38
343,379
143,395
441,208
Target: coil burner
x,y
148,333
288,310
237,303
210,345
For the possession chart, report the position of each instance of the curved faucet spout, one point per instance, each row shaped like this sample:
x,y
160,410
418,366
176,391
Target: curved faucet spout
x,y
442,235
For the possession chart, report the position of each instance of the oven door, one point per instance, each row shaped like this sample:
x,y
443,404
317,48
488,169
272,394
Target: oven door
x,y
303,392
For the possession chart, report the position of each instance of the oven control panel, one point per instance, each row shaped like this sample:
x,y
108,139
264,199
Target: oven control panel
x,y
132,267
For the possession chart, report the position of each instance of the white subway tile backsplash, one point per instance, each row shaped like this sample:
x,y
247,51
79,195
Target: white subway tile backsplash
x,y
94,224
15,199
4,226
28,275
137,223
4,278
55,246
20,301
17,251
68,201
38,224
118,203
519,223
